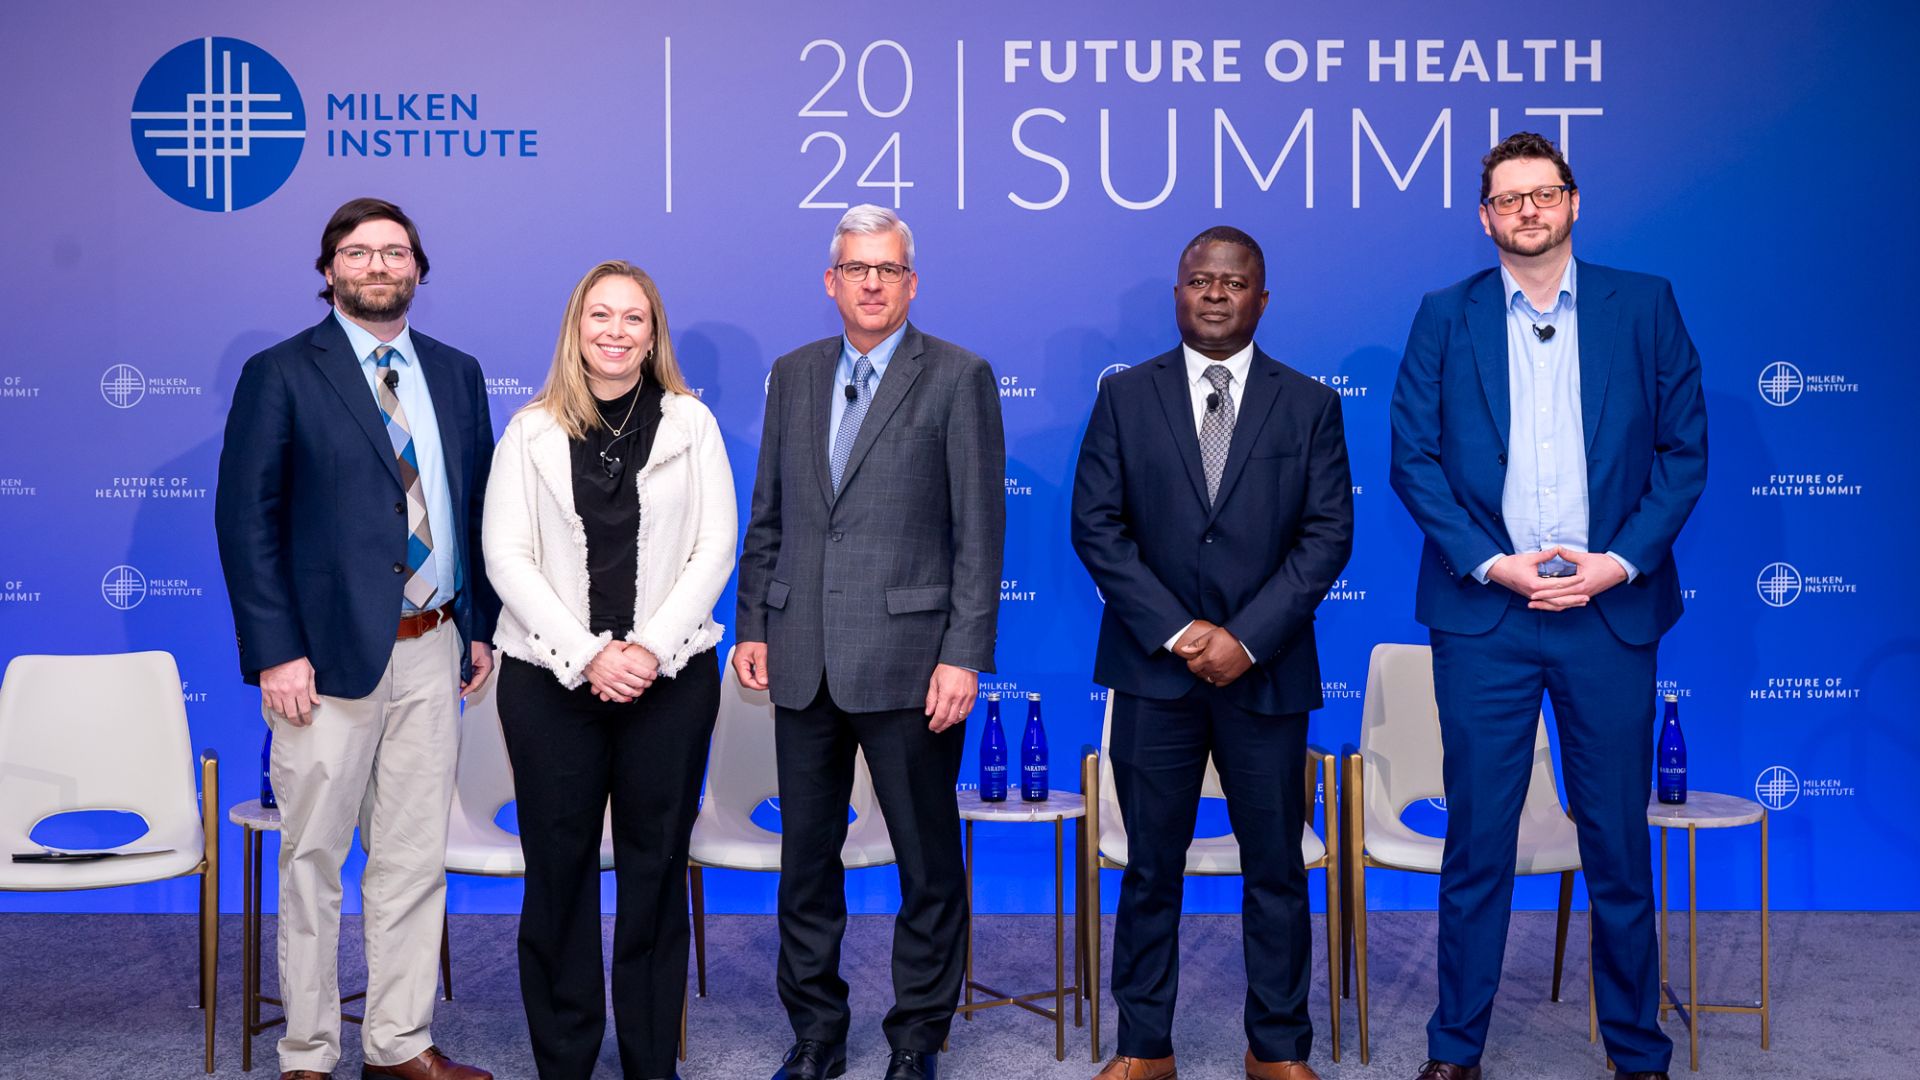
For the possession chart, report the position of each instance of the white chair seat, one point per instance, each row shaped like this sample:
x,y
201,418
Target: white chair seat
x,y
1211,854
189,848
1549,846
725,839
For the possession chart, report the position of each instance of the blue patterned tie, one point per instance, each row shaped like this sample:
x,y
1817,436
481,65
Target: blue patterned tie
x,y
422,575
850,420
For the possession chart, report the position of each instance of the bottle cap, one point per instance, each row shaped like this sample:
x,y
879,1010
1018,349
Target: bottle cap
x,y
994,696
1033,697
1672,697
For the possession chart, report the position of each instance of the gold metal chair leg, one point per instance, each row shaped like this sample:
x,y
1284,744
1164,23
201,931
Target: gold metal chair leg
x,y
1560,930
1356,860
683,1019
1694,1013
209,897
446,957
1328,769
966,977
1593,1008
697,889
1766,942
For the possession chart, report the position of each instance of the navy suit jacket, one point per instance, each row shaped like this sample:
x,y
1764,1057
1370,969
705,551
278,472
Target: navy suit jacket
x,y
311,515
1257,561
1646,426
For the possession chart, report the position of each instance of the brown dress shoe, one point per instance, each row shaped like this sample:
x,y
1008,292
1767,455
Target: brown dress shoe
x,y
1442,1070
1278,1070
430,1065
1122,1067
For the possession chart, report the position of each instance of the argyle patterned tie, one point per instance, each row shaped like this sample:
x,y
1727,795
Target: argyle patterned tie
x,y
422,575
1216,431
850,420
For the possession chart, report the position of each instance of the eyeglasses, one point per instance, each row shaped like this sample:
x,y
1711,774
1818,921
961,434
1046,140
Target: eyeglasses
x,y
396,257
1546,198
890,273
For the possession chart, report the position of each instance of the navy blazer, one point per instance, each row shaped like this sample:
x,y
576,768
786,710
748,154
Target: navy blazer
x,y
1646,427
1257,561
311,516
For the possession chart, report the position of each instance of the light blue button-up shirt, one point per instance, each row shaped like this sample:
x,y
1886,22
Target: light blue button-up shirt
x,y
881,355
424,425
1544,500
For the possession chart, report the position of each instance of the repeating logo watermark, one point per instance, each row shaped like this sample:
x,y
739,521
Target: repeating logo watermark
x,y
1343,590
123,386
1779,584
15,591
123,587
1815,484
150,487
1805,688
1777,787
218,124
1782,383
15,386
1110,369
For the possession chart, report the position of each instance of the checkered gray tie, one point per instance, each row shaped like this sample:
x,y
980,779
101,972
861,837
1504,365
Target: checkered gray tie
x,y
850,420
422,575
1216,431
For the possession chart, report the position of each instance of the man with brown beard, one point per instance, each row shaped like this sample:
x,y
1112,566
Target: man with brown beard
x,y
348,515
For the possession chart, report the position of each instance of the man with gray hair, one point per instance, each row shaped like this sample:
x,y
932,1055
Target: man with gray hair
x,y
868,600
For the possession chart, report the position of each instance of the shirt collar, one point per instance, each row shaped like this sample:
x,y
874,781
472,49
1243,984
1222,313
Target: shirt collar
x,y
1239,364
1568,295
364,342
880,356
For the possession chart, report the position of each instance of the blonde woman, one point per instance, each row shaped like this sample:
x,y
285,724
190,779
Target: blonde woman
x,y
609,533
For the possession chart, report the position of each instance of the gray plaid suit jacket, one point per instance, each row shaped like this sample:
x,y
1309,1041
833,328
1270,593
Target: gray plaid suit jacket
x,y
902,570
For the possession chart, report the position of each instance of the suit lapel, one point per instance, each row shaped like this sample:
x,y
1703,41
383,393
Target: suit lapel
x,y
1256,403
1176,402
552,459
1487,325
1599,319
333,355
819,390
902,371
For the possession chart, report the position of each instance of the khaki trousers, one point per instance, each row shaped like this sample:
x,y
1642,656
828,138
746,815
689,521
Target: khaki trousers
x,y
384,762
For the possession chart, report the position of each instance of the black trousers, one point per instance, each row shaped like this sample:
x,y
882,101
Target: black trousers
x,y
914,771
571,753
1159,751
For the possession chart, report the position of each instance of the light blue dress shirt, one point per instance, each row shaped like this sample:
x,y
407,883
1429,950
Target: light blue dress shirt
x,y
424,424
881,355
1544,500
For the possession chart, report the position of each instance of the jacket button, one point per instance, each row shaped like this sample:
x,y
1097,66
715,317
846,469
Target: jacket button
x,y
399,568
1207,539
554,652
536,637
836,536
1503,459
400,507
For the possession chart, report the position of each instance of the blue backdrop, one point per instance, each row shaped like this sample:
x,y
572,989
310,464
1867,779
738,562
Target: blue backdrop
x,y
1052,160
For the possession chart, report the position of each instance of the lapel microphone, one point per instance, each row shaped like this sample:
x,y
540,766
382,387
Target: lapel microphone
x,y
1544,333
1213,399
853,395
393,379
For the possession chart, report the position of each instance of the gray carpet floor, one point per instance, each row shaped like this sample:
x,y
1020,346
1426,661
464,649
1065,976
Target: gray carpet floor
x,y
111,995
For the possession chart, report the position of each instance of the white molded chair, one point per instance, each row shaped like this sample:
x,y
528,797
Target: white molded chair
x,y
1207,855
742,774
110,733
1399,763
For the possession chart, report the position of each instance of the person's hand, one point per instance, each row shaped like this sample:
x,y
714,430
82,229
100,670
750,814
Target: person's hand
x,y
750,664
1195,630
1594,573
621,671
288,690
1216,657
950,695
1521,574
482,667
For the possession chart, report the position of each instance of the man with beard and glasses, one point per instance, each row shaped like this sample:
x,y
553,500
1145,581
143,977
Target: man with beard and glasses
x,y
1550,439
348,514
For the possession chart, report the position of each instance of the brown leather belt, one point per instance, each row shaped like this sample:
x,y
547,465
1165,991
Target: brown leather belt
x,y
412,626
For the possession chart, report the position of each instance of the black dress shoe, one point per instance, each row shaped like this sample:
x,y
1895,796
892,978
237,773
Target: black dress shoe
x,y
913,1065
811,1059
1445,1070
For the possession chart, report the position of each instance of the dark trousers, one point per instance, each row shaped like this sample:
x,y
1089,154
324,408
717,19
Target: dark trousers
x,y
914,771
571,753
1488,688
1159,751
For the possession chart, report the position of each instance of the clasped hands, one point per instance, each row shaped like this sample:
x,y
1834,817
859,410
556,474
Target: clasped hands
x,y
1594,573
622,671
1212,653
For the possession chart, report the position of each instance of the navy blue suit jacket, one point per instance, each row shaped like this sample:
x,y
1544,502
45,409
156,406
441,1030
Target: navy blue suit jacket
x,y
1258,561
1646,426
311,515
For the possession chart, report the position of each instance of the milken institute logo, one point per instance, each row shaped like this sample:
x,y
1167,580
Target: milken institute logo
x,y
211,103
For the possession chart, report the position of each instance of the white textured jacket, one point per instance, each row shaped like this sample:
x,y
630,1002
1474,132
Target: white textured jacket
x,y
536,544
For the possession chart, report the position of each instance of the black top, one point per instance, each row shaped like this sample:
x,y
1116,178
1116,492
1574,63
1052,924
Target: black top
x,y
607,497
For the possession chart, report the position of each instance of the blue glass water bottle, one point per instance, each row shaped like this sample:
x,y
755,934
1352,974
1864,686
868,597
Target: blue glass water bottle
x,y
266,773
1033,755
993,755
1673,755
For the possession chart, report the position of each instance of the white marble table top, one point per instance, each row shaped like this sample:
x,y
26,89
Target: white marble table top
x,y
254,816
1703,810
1059,806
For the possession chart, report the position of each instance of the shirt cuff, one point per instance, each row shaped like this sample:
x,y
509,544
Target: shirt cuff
x,y
1632,571
1178,634
1251,659
1480,572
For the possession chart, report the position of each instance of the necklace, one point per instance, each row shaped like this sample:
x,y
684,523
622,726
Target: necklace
x,y
611,462
631,405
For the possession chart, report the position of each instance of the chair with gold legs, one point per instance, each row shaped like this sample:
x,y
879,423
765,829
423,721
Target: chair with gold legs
x,y
1207,855
1398,763
110,733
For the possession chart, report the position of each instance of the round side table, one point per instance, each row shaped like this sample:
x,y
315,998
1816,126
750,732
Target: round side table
x,y
1059,808
1709,810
